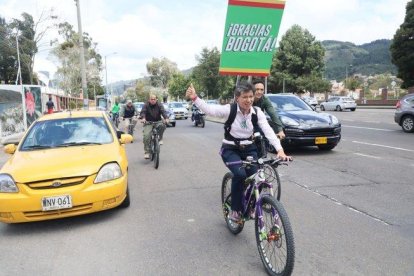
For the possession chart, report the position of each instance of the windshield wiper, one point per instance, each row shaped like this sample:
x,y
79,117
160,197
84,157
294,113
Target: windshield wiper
x,y
37,147
78,144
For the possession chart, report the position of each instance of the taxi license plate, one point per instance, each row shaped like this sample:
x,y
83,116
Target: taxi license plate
x,y
56,202
321,140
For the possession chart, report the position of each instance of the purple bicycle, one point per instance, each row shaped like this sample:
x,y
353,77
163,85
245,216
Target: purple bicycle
x,y
274,236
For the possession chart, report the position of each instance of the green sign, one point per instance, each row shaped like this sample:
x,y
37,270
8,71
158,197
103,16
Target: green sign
x,y
250,36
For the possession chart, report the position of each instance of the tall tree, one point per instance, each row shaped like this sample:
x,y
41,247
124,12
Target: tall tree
x,y
178,85
27,45
206,74
402,48
30,34
8,56
160,71
67,52
298,64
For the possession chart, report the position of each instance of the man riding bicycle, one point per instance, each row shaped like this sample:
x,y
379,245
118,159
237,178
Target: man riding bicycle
x,y
129,113
152,111
238,137
115,112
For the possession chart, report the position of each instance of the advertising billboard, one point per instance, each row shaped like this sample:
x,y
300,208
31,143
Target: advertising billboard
x,y
250,36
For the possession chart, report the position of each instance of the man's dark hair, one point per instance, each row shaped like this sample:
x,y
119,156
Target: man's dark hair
x,y
258,81
242,88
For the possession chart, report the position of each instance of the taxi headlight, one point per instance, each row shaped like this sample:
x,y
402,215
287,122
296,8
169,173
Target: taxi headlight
x,y
108,172
7,184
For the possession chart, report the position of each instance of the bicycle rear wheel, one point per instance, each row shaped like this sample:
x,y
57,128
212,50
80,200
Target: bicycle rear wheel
x,y
156,154
233,227
275,240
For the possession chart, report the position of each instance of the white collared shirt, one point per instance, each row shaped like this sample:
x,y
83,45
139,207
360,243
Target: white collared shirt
x,y
242,127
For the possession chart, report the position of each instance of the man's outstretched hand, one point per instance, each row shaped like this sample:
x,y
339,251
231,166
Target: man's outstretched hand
x,y
191,93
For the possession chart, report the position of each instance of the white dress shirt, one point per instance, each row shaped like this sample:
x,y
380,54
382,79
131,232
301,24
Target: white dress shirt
x,y
242,127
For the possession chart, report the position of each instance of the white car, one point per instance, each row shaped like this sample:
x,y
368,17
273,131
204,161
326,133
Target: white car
x,y
310,101
138,106
179,110
339,103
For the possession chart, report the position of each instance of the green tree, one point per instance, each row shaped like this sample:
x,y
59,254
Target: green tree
x,y
142,90
402,48
8,57
160,71
178,85
67,54
298,63
30,34
207,77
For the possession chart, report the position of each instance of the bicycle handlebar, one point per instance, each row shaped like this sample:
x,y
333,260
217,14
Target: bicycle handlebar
x,y
260,161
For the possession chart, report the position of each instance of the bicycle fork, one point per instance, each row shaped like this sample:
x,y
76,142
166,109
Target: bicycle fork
x,y
274,234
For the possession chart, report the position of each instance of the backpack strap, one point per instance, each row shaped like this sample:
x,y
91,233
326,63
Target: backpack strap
x,y
230,120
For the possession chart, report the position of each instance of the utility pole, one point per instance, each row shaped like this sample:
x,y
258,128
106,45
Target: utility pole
x,y
107,94
82,59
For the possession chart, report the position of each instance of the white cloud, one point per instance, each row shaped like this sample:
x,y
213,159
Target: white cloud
x,y
179,29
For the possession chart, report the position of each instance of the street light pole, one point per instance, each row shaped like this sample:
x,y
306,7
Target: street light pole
x,y
106,74
82,59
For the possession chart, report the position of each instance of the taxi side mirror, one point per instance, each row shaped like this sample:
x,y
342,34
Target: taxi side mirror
x,y
10,148
126,139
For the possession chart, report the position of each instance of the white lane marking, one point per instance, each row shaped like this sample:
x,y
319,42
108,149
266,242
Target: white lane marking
x,y
384,146
366,155
190,220
371,128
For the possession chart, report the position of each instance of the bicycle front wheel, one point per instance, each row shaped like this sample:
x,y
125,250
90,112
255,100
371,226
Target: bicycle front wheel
x,y
275,239
233,227
272,176
152,149
156,154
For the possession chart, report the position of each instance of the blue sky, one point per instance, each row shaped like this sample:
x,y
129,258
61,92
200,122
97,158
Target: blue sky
x,y
178,29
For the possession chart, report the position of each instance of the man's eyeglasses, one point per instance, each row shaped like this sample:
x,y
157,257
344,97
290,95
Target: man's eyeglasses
x,y
153,99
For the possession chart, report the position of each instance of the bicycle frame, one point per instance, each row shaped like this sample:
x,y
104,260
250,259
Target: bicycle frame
x,y
255,183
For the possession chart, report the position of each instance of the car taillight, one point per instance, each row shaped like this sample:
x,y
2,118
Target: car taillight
x,y
398,105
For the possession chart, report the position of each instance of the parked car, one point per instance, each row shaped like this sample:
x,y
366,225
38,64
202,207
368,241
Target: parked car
x,y
404,113
339,103
310,101
212,102
171,115
179,110
187,105
303,126
138,106
67,164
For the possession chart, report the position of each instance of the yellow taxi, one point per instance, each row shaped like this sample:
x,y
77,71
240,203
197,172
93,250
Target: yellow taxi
x,y
67,164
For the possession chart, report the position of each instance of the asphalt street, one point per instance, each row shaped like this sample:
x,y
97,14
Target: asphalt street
x,y
351,209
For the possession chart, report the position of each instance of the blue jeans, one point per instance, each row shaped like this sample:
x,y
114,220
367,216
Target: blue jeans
x,y
231,153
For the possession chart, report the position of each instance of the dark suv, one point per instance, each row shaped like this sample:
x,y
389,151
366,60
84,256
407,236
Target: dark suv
x,y
404,114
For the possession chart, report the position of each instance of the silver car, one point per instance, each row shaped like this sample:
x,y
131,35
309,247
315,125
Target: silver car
x,y
404,114
339,103
171,115
138,106
310,101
